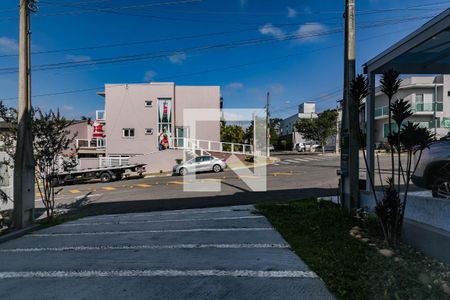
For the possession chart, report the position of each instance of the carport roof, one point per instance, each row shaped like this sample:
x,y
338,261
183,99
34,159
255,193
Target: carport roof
x,y
425,51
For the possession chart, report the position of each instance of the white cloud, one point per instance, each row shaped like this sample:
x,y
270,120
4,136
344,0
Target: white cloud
x,y
78,58
178,58
291,12
277,89
309,32
150,75
269,29
243,3
234,86
8,46
67,108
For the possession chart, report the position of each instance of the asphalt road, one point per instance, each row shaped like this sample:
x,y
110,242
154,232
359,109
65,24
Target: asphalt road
x,y
294,177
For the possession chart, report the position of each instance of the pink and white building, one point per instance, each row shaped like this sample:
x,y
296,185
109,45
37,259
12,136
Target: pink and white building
x,y
143,123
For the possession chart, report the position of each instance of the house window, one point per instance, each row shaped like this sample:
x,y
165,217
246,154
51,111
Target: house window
x,y
148,103
386,129
148,131
128,132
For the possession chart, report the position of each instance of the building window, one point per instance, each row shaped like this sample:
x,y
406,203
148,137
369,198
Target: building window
x,y
128,132
386,129
148,131
164,123
148,103
419,98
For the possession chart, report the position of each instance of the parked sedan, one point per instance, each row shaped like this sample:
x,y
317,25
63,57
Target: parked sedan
x,y
200,164
303,147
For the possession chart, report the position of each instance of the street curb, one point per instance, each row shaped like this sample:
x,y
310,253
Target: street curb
x,y
158,175
18,233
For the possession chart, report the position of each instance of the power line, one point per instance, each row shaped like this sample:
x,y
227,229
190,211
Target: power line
x,y
271,59
168,53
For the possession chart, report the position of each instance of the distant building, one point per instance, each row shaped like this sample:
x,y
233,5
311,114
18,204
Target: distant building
x,y
429,98
288,130
306,110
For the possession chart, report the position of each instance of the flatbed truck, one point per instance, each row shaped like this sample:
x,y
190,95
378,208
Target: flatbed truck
x,y
105,174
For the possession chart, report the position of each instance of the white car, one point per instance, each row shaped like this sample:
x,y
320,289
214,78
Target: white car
x,y
200,164
303,147
433,171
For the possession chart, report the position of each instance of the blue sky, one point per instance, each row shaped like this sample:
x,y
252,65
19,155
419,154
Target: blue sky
x,y
293,70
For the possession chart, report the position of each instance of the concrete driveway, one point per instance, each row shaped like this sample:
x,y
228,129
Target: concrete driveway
x,y
213,253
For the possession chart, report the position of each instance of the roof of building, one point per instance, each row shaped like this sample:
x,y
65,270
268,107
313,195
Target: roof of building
x,y
425,51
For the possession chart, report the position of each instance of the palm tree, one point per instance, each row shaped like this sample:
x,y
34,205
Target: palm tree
x,y
390,83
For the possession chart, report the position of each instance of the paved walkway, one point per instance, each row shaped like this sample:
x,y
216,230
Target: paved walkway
x,y
215,253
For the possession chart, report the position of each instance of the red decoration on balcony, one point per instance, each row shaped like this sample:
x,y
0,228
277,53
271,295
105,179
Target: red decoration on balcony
x,y
98,130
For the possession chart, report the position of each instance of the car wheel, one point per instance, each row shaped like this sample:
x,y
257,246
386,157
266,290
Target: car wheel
x,y
217,168
441,189
183,171
105,177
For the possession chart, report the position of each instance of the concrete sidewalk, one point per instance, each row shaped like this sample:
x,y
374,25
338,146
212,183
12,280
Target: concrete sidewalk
x,y
214,253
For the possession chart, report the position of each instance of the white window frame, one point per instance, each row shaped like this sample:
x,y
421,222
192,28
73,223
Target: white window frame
x,y
146,103
124,130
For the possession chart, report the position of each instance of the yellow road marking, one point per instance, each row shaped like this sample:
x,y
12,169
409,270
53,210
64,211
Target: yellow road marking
x,y
211,179
282,174
108,188
248,177
175,182
143,185
74,191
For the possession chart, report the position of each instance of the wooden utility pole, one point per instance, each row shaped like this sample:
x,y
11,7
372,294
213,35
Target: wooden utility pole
x,y
268,123
350,117
24,160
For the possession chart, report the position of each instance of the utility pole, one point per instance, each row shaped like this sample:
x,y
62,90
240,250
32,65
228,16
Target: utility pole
x,y
268,124
350,115
24,160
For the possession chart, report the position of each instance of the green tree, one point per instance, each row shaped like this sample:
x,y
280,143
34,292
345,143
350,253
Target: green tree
x,y
50,139
275,126
249,133
319,129
232,134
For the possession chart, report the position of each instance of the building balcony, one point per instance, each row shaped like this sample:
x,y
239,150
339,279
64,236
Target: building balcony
x,y
91,144
427,108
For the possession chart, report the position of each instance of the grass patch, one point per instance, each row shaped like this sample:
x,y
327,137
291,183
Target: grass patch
x,y
57,220
352,269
